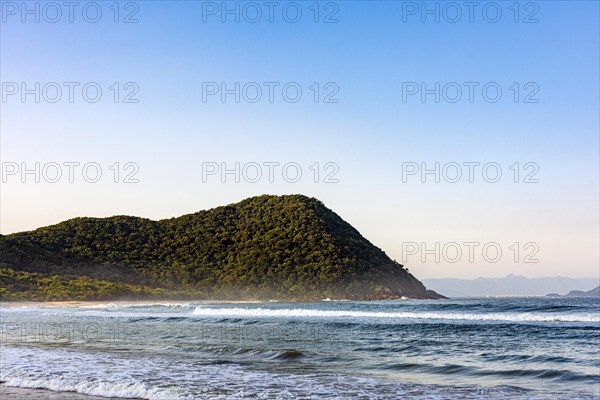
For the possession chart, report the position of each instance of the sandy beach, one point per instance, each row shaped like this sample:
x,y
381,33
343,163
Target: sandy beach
x,y
7,393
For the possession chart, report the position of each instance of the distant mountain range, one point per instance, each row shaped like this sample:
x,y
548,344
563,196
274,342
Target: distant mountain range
x,y
579,293
511,285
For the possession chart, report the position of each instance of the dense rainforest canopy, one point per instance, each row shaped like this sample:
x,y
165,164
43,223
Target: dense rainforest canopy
x,y
265,247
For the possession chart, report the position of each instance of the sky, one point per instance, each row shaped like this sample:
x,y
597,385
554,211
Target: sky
x,y
461,138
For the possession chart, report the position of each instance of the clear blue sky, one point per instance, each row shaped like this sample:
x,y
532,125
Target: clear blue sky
x,y
369,133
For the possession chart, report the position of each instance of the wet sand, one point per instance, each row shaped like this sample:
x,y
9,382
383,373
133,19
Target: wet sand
x,y
13,393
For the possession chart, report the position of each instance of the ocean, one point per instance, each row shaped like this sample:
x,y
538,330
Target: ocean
x,y
489,348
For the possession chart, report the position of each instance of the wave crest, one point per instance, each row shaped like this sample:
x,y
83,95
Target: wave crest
x,y
309,313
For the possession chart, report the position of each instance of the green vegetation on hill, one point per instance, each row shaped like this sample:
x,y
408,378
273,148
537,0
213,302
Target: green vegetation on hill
x,y
289,247
33,286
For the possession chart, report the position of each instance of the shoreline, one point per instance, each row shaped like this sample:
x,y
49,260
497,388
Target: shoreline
x,y
20,393
76,303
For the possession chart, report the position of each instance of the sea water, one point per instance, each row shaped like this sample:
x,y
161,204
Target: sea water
x,y
512,348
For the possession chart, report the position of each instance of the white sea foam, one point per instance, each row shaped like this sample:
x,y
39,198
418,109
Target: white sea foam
x,y
308,313
194,310
86,373
116,306
99,306
93,388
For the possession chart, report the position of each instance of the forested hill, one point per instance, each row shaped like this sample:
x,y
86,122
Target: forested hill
x,y
265,247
